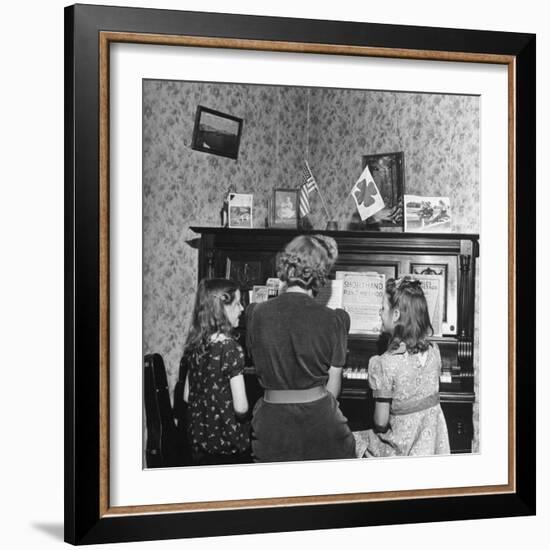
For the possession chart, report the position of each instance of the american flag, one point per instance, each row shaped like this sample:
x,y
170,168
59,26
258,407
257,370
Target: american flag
x,y
308,186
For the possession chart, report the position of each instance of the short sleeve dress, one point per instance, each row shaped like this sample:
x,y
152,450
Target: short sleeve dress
x,y
293,341
411,383
212,425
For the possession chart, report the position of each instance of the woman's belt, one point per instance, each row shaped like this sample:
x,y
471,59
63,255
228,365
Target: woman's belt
x,y
295,396
408,407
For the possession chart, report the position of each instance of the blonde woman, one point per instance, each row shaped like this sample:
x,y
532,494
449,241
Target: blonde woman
x,y
298,347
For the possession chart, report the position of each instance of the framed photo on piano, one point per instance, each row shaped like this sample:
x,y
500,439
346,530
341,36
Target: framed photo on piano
x,y
285,208
137,196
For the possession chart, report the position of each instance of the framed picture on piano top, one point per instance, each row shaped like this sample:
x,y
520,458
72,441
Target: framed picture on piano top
x,y
285,208
142,212
388,172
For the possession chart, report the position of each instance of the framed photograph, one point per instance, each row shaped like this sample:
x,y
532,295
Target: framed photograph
x,y
217,133
285,208
239,207
387,170
132,192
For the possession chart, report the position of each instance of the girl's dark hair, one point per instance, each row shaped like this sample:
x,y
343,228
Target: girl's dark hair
x,y
209,314
413,326
306,261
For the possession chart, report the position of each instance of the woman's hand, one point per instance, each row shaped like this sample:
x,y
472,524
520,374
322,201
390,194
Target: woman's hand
x,y
381,416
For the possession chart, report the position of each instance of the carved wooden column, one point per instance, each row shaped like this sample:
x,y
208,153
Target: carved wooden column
x,y
465,348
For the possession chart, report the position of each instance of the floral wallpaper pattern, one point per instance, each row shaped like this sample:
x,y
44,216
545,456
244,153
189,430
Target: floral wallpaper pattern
x,y
439,135
332,128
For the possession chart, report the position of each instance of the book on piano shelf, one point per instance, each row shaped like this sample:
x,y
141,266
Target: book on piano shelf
x,y
259,293
433,286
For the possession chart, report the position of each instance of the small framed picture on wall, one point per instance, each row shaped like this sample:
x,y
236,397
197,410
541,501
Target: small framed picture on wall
x,y
285,208
217,133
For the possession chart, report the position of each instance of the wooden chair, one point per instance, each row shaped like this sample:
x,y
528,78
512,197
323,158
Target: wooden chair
x,y
180,415
166,444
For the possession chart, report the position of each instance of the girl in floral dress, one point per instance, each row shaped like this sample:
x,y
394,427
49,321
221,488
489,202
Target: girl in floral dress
x,y
408,419
212,367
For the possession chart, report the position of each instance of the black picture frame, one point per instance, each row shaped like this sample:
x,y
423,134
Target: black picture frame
x,y
216,133
388,172
285,216
89,518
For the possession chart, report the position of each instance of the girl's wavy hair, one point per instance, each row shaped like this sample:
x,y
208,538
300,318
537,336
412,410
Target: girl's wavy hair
x,y
306,261
413,326
209,315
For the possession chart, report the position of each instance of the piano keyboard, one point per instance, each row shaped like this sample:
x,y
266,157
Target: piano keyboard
x,y
359,373
352,373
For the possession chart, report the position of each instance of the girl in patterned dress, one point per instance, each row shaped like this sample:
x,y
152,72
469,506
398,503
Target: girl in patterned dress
x,y
408,419
212,366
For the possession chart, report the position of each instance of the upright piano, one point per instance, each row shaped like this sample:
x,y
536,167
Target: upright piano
x,y
248,257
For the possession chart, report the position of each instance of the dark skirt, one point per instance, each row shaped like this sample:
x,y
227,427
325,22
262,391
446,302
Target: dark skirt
x,y
301,431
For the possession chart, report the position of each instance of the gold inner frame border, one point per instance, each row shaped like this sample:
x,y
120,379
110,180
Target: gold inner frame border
x,y
105,40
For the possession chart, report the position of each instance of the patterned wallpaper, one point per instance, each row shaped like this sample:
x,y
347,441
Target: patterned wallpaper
x,y
183,187
438,134
333,128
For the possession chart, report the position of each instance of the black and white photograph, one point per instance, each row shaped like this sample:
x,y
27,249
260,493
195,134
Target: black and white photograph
x,y
239,208
383,387
427,214
285,208
216,133
299,287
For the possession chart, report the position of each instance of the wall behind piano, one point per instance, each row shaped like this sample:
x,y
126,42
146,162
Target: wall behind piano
x,y
183,187
439,135
333,128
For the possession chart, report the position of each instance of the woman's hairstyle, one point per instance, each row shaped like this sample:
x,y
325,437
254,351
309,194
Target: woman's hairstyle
x,y
209,315
306,261
413,326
